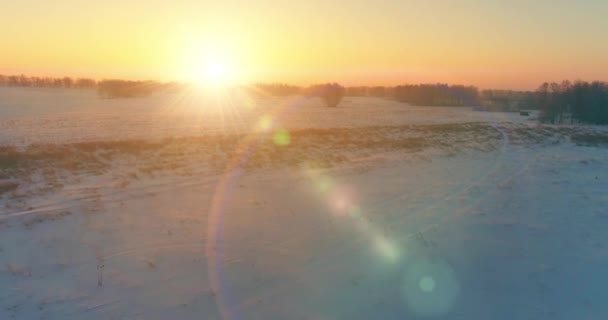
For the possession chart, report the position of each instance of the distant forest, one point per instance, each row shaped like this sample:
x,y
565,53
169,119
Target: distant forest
x,y
105,88
47,82
568,102
565,102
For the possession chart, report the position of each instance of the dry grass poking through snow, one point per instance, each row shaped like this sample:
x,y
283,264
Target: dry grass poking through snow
x,y
55,164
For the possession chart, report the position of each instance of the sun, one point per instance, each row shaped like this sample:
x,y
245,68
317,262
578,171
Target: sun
x,y
216,73
209,61
211,73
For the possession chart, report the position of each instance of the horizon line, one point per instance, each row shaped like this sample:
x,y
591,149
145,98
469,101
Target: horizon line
x,y
295,84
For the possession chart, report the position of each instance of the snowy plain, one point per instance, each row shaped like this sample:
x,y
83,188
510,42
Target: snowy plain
x,y
279,208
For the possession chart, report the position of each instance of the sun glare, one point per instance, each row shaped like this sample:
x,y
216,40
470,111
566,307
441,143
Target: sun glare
x,y
208,63
210,60
214,73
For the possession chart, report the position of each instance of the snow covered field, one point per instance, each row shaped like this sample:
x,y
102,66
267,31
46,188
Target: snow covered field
x,y
279,208
30,115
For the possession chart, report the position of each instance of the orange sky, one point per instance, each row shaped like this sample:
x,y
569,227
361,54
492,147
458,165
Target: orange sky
x,y
500,44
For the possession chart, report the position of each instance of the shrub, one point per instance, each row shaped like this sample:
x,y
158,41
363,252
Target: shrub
x,y
331,93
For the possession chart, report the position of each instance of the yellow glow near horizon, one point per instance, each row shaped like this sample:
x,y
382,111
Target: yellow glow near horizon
x,y
488,43
212,74
208,62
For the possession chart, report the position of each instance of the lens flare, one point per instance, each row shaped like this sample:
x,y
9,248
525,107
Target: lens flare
x,y
355,212
281,138
430,287
324,184
341,200
265,123
386,249
427,284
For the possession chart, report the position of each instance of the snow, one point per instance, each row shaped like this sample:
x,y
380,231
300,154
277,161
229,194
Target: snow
x,y
33,116
490,217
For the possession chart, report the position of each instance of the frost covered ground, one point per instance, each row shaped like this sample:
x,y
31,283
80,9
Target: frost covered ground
x,y
278,208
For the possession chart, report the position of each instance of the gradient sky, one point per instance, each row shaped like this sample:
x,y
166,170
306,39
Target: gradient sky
x,y
500,44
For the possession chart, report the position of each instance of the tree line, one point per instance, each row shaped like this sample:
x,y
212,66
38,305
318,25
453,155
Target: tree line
x,y
107,88
46,82
570,102
506,100
437,95
132,89
276,89
422,94
330,93
419,94
565,102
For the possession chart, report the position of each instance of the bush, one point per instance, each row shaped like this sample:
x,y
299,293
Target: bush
x,y
331,93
